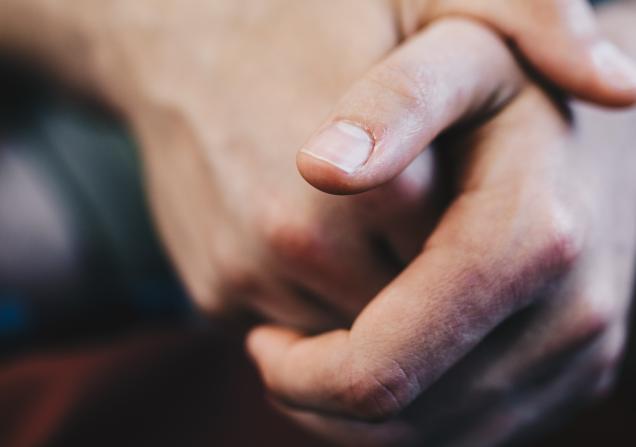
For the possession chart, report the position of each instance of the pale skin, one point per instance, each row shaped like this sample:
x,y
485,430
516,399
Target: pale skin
x,y
569,258
245,231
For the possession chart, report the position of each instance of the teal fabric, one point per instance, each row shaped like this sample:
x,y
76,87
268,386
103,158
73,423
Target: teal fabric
x,y
91,165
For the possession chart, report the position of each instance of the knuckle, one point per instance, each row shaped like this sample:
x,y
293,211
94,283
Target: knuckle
x,y
560,243
371,400
562,248
294,241
407,88
377,396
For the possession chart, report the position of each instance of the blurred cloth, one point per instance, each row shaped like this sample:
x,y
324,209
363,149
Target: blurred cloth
x,y
73,224
102,347
158,388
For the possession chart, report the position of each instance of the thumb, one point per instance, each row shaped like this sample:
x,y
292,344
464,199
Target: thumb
x,y
446,74
501,244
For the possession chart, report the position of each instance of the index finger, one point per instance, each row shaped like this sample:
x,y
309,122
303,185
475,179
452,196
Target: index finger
x,y
498,245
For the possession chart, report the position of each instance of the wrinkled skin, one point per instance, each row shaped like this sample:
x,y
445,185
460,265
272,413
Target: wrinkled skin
x,y
410,360
206,86
570,344
561,349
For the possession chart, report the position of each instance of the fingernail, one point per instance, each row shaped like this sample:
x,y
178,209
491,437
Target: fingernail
x,y
343,145
619,69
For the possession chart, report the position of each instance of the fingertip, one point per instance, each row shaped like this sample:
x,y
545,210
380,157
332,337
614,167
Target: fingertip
x,y
267,343
596,71
568,49
615,71
588,82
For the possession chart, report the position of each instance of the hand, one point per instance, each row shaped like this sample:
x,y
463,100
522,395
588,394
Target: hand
x,y
244,229
515,309
206,85
562,347
560,38
185,75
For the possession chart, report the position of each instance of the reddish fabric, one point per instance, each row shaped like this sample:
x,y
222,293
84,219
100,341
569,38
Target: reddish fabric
x,y
188,388
156,389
